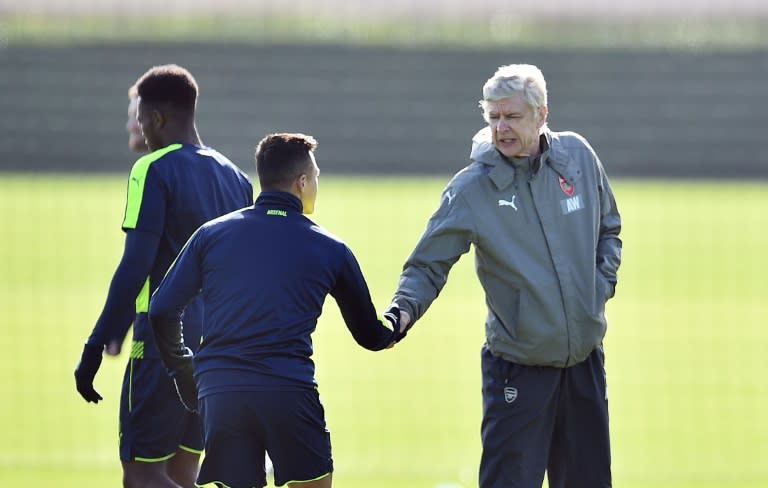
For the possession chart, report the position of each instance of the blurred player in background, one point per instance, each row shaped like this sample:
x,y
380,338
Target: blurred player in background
x,y
253,371
136,144
172,191
538,208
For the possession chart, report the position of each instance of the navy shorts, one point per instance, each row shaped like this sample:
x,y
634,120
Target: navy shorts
x,y
153,422
538,419
240,426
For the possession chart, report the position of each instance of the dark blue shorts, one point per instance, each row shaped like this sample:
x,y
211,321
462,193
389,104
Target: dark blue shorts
x,y
240,426
153,422
538,419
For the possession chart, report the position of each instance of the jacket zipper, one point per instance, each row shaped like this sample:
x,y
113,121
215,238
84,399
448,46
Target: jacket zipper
x,y
557,274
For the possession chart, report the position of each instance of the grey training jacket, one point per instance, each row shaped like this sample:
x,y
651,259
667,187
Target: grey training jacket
x,y
547,249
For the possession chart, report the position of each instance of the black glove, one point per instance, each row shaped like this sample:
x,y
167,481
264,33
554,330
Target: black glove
x,y
187,391
393,315
86,370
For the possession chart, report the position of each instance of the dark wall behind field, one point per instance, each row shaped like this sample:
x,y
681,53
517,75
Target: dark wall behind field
x,y
379,110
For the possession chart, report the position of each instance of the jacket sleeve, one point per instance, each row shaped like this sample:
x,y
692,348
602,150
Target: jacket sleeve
x,y
131,274
354,299
166,308
608,244
449,234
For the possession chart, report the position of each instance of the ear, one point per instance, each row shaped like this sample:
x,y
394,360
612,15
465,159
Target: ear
x,y
301,183
158,119
543,112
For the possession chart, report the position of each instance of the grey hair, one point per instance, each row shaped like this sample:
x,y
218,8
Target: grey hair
x,y
512,79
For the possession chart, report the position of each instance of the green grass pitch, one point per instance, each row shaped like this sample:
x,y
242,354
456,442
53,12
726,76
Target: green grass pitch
x,y
686,345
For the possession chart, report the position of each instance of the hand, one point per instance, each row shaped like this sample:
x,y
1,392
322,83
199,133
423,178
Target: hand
x,y
399,320
187,391
113,347
86,370
405,320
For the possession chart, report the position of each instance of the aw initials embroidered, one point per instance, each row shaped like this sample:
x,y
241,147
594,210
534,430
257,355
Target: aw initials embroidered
x,y
570,205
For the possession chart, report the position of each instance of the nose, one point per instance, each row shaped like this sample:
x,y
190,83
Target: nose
x,y
502,125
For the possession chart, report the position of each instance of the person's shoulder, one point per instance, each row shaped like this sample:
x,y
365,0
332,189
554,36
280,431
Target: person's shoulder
x,y
220,158
183,154
320,232
142,166
470,173
320,236
569,141
223,224
571,153
469,177
230,218
169,152
464,185
214,153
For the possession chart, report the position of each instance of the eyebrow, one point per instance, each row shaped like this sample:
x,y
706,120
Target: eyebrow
x,y
497,112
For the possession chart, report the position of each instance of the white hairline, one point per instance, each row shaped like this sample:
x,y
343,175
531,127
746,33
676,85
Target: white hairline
x,y
513,79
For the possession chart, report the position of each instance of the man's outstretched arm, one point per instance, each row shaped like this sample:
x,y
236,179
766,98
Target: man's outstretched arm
x,y
119,309
353,297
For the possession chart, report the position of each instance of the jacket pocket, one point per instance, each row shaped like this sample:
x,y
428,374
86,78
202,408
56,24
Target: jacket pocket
x,y
507,321
602,292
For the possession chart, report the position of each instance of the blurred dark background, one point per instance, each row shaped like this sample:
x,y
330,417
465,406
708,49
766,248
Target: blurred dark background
x,y
389,100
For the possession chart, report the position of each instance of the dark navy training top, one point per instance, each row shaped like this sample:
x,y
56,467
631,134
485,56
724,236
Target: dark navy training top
x,y
171,192
264,272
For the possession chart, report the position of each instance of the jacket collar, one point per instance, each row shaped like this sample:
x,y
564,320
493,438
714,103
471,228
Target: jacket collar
x,y
503,172
280,200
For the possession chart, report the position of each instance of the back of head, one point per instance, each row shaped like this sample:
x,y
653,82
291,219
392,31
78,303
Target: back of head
x,y
169,88
283,157
514,79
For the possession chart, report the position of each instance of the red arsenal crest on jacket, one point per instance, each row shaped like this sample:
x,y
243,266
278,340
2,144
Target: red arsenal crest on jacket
x,y
567,188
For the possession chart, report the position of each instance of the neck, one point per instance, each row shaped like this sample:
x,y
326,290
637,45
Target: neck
x,y
181,135
281,198
290,191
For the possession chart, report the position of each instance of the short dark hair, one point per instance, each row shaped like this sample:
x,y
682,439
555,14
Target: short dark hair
x,y
281,158
169,85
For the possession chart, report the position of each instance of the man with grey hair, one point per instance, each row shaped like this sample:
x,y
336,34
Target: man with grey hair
x,y
539,209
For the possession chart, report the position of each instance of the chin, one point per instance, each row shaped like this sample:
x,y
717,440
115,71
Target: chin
x,y
510,152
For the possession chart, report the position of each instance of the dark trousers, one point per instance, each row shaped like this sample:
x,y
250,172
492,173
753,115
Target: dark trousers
x,y
542,418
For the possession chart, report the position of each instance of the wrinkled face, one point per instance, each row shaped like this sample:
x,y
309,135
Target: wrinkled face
x,y
514,126
309,187
135,137
150,122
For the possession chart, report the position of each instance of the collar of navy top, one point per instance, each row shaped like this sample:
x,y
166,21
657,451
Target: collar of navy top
x,y
279,200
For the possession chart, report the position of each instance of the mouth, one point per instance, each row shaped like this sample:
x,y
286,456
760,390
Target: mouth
x,y
507,140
